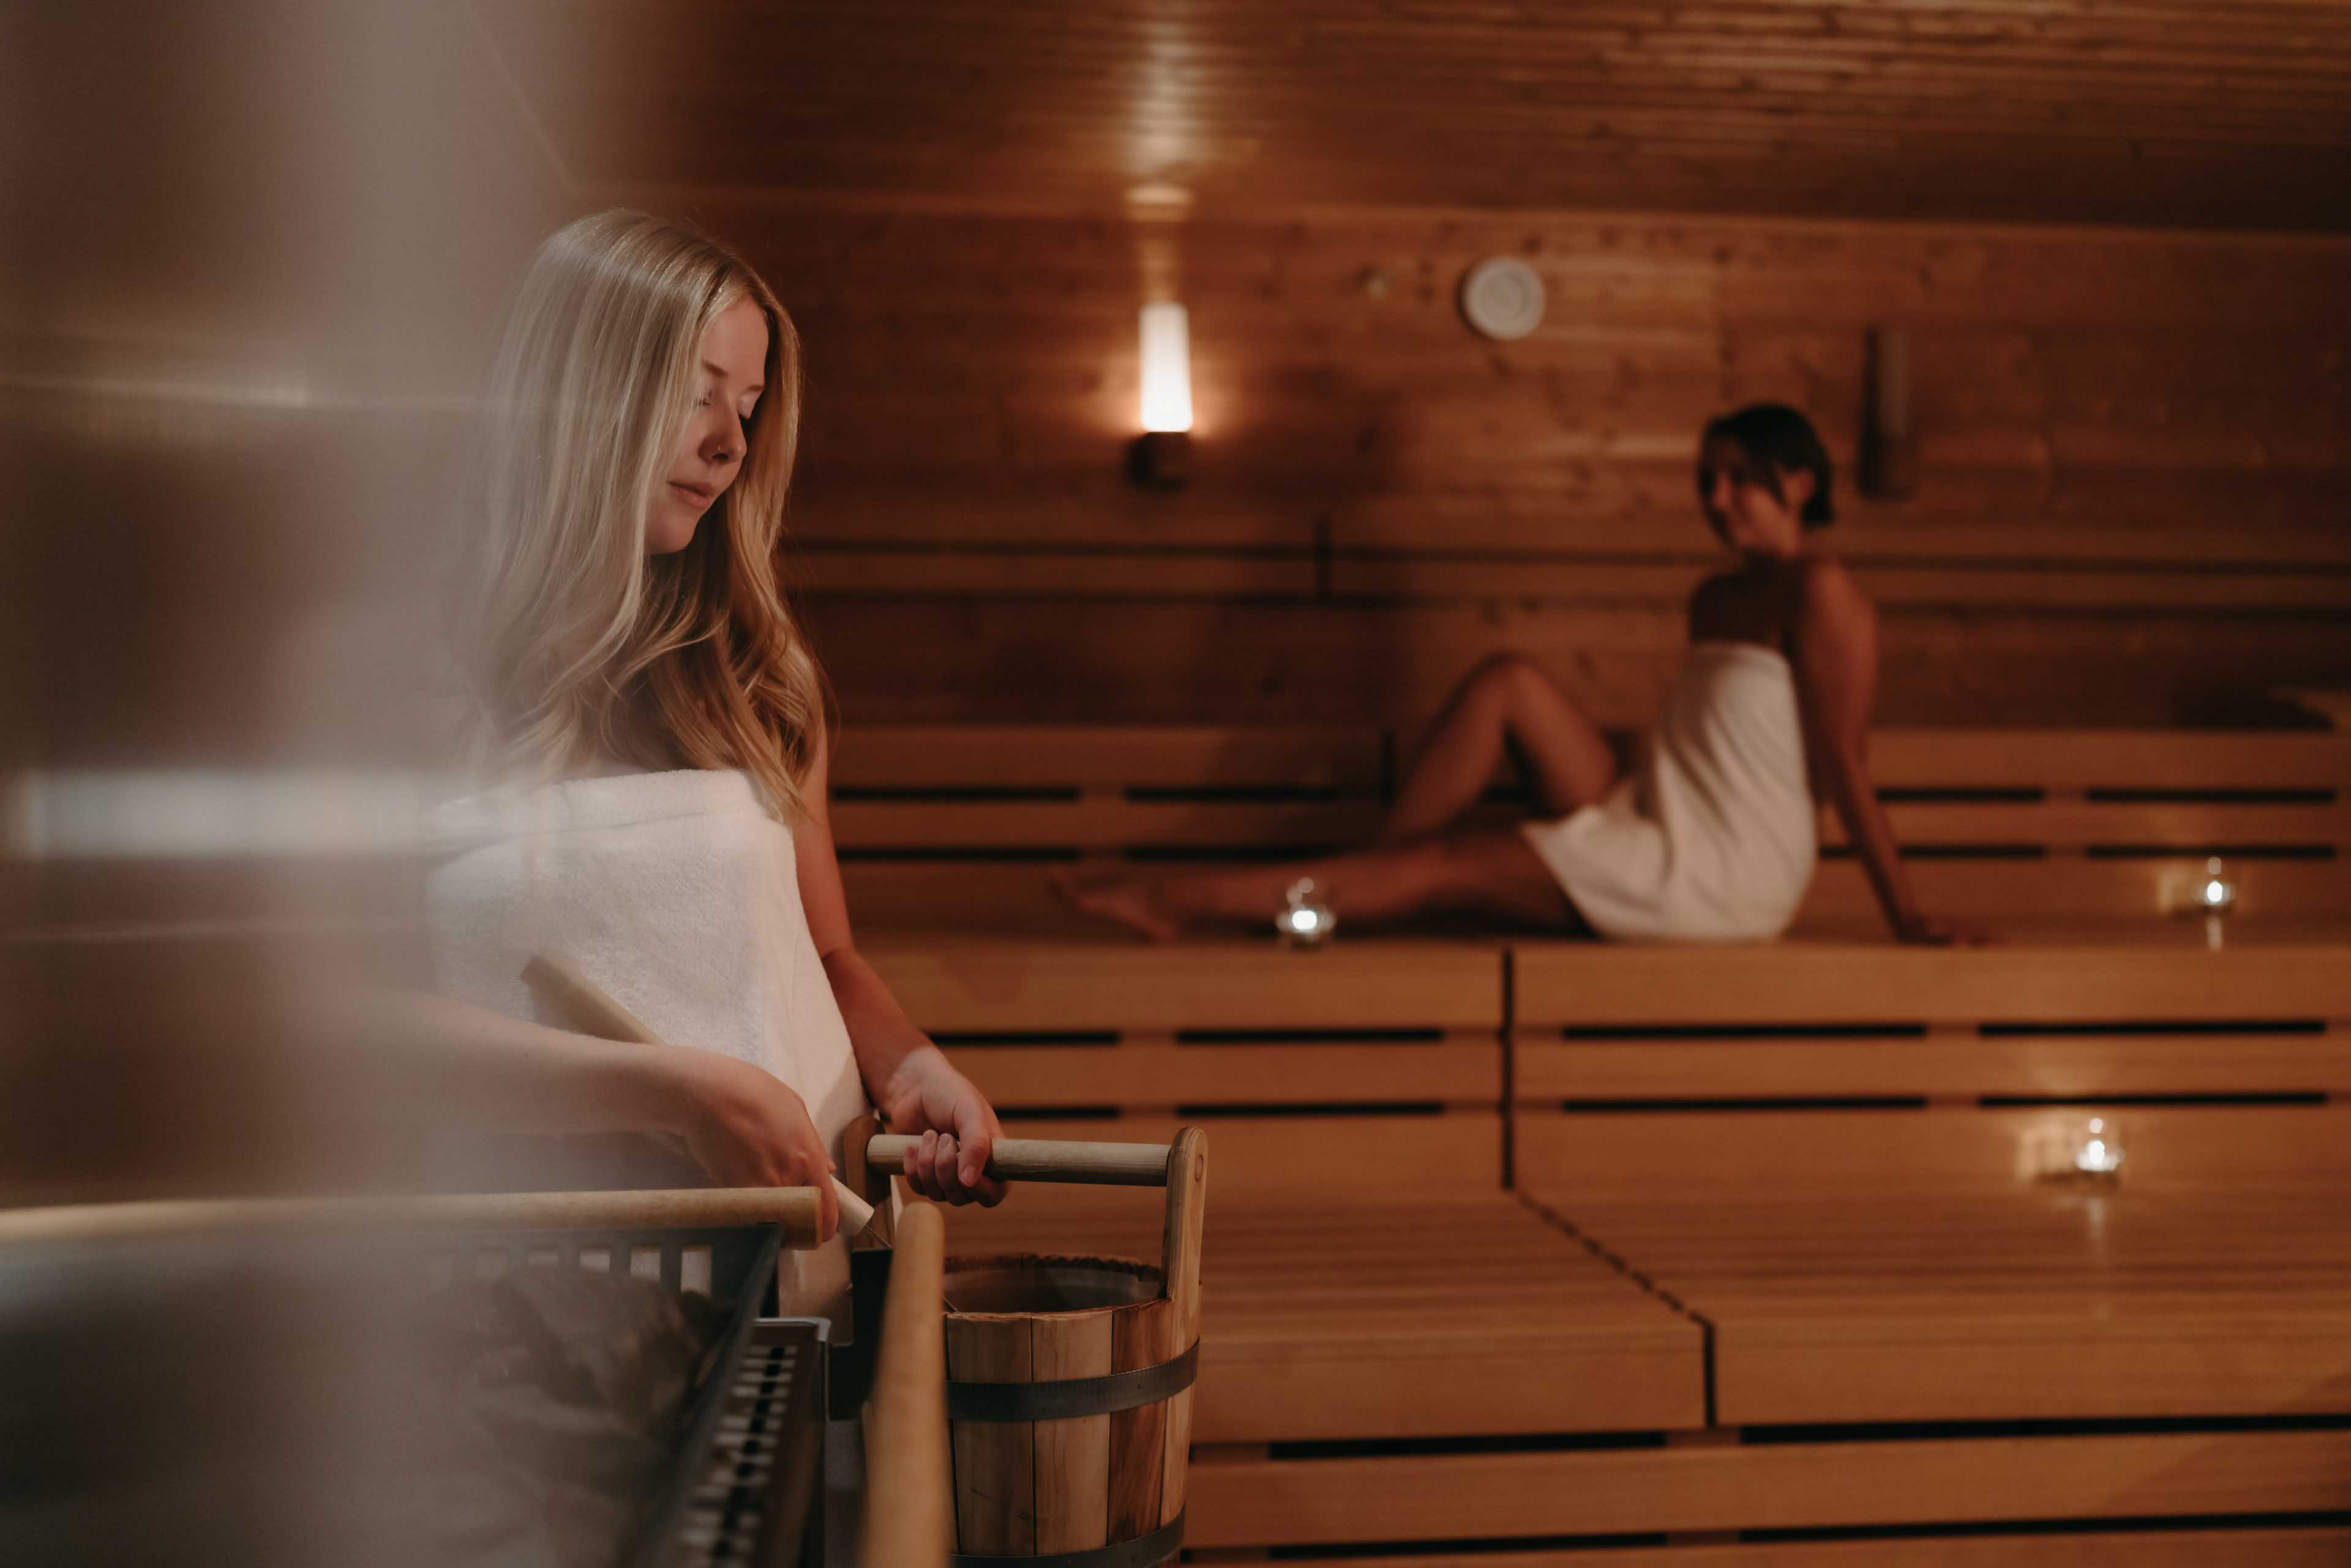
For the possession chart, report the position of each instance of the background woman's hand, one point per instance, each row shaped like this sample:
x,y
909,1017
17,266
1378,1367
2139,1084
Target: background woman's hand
x,y
1926,931
960,1130
746,1127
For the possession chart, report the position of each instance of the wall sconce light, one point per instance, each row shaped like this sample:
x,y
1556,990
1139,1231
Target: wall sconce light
x,y
1160,458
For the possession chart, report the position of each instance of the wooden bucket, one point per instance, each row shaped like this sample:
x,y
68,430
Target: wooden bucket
x,y
1069,1385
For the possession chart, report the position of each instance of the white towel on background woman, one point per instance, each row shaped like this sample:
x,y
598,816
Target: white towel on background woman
x,y
1713,838
679,896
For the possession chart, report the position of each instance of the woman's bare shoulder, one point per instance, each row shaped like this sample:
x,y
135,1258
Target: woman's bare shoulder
x,y
1826,587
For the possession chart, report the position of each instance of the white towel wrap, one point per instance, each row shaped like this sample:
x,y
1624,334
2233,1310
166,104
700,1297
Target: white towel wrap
x,y
1713,838
678,896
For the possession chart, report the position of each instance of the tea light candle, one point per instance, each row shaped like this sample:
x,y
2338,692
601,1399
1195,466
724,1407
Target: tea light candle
x,y
1303,922
2099,1148
2218,894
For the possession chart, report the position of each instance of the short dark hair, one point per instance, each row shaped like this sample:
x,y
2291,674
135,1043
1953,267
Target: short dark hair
x,y
1774,437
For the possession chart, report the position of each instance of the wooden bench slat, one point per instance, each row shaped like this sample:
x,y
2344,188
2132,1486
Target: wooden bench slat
x,y
1454,1072
1342,1316
2136,892
1255,1502
2080,1067
2167,977
1114,823
2079,759
2033,1304
2318,1546
1115,983
966,895
969,756
1824,1153
2073,825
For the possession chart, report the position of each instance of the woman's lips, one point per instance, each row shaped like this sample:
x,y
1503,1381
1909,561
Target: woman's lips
x,y
700,495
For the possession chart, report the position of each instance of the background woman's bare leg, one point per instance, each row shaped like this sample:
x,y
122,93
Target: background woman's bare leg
x,y
1491,872
1506,706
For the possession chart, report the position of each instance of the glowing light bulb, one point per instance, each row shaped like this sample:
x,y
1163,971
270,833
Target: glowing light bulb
x,y
1167,367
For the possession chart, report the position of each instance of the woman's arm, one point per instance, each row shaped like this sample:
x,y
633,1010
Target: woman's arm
x,y
1835,648
468,1066
908,1076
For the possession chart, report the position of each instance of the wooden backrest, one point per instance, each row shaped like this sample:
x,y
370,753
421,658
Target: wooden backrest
x,y
937,824
955,790
1308,1068
1819,1067
2070,825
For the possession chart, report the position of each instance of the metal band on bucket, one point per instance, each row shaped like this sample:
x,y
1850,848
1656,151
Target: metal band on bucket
x,y
1142,1552
1071,1396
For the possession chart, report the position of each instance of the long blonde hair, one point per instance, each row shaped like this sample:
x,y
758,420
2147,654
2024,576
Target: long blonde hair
x,y
578,646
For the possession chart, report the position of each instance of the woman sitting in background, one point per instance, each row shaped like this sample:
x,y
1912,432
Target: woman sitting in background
x,y
1711,838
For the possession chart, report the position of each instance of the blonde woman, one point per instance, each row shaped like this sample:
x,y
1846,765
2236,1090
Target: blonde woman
x,y
655,728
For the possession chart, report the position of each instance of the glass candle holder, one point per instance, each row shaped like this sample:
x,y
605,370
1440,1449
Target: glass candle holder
x,y
2097,1149
2216,895
1303,922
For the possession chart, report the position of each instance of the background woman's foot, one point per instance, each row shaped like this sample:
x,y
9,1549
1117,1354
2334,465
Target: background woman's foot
x,y
1130,899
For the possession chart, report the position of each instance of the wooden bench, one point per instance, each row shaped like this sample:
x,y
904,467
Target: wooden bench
x,y
1780,1258
1777,1264
951,827
1839,1160
1365,1276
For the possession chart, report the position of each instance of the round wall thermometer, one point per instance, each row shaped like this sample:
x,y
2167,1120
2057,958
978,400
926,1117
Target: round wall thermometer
x,y
1503,297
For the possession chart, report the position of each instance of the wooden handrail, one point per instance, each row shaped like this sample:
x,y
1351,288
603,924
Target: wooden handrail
x,y
792,1207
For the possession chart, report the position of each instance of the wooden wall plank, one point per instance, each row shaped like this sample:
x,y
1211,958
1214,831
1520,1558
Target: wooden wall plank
x,y
1118,756
953,658
1109,822
2089,405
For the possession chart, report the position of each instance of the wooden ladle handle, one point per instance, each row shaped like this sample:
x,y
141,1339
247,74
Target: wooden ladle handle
x,y
1041,1159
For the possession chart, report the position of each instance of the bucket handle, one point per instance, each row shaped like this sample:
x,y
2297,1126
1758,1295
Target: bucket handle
x,y
1180,1165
